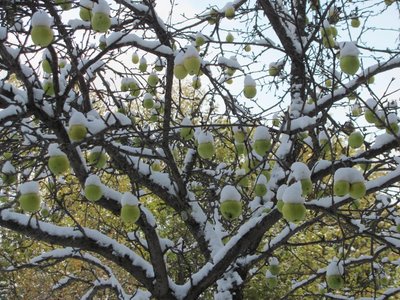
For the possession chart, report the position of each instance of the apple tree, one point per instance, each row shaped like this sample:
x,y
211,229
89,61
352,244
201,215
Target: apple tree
x,y
228,150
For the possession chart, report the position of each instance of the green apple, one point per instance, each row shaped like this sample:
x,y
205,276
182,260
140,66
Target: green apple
x,y
370,116
192,64
148,103
272,281
328,42
142,66
135,89
45,212
85,14
355,22
152,80
30,202
371,80
306,186
199,41
229,38
135,58
355,204
130,213
93,192
101,22
180,71
230,13
98,159
3,199
196,83
186,133
357,190
7,155
8,178
64,4
335,282
77,132
46,66
349,64
341,188
206,150
48,87
239,136
273,71
240,148
393,128
279,205
247,48
231,209
42,35
274,269
389,2
244,181
261,147
356,139
58,164
249,91
328,83
356,110
260,189
294,212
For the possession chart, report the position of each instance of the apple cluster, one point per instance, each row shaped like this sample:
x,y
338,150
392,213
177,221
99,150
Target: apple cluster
x,y
349,181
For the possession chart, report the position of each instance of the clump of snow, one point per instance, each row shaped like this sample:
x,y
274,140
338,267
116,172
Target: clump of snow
x,y
101,7
268,274
129,199
86,3
249,81
8,168
29,187
143,61
300,171
371,103
229,192
205,137
186,122
292,194
179,58
335,268
322,137
349,49
227,6
3,33
97,149
280,191
348,174
191,52
273,261
262,133
54,150
261,179
77,118
93,180
41,18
